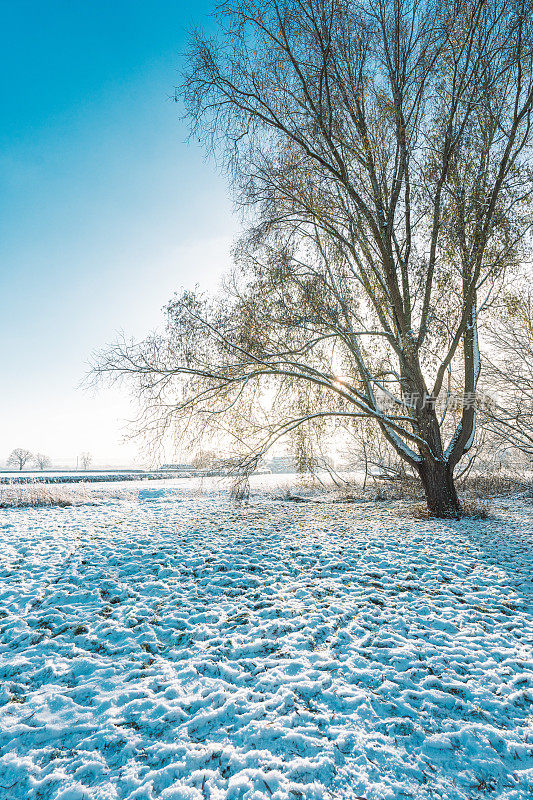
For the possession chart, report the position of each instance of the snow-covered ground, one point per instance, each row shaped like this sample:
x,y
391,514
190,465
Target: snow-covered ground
x,y
185,649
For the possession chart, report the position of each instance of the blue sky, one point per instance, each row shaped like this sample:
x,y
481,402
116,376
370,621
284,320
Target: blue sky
x,y
105,209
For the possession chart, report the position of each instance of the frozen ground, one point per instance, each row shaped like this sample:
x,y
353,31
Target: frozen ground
x,y
180,648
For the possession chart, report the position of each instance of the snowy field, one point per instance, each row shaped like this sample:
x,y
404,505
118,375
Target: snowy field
x,y
181,648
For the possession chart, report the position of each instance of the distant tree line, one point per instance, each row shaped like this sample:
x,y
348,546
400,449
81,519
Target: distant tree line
x,y
21,458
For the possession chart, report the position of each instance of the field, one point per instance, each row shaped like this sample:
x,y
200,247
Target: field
x,y
169,644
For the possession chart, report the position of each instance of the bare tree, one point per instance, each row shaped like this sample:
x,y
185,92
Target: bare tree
x,y
42,461
19,458
509,367
86,460
380,151
205,459
373,454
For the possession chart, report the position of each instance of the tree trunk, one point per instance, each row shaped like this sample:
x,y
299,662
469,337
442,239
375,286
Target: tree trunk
x,y
439,488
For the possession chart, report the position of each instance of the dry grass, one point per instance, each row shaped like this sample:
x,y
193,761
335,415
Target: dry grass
x,y
475,493
380,491
474,487
492,484
470,509
38,495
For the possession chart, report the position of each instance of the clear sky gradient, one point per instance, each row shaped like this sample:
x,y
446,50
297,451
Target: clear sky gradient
x,y
105,209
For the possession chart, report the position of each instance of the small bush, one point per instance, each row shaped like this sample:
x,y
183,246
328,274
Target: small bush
x,y
420,512
476,509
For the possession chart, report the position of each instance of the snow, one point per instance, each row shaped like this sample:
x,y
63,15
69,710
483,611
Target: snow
x,y
183,648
